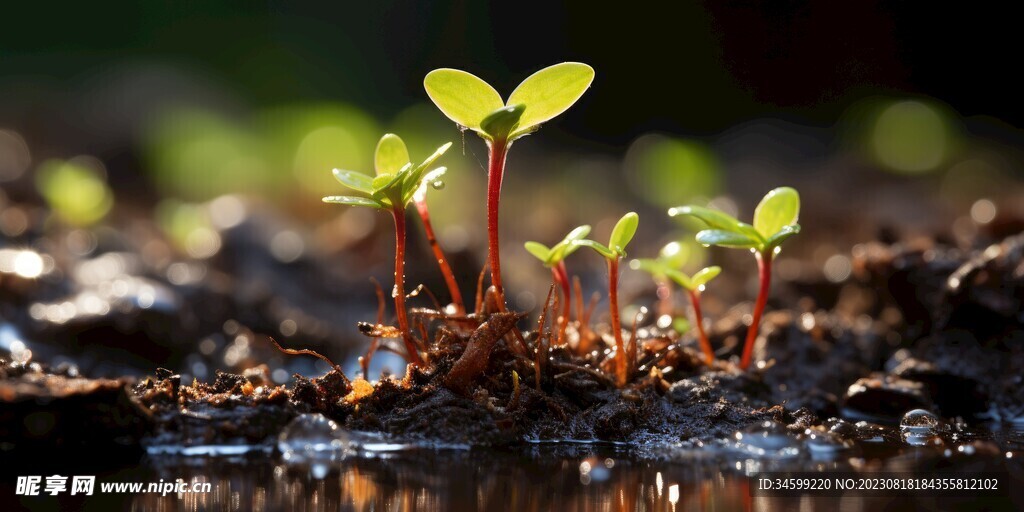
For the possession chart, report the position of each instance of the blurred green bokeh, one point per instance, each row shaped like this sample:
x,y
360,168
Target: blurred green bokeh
x,y
912,136
670,171
78,194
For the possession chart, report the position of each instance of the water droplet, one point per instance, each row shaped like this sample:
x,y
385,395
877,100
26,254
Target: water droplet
x,y
919,420
438,184
920,427
311,438
768,438
825,445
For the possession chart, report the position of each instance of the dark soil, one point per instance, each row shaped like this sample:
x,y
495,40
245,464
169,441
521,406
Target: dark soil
x,y
914,328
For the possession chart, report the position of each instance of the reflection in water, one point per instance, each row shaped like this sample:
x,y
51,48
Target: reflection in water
x,y
542,477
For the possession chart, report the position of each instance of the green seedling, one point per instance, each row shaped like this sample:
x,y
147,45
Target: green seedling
x,y
774,222
672,255
666,267
393,188
621,235
554,258
473,104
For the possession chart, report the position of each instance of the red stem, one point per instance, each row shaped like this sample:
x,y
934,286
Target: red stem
x,y
613,306
495,173
442,261
399,291
764,269
664,292
705,345
562,278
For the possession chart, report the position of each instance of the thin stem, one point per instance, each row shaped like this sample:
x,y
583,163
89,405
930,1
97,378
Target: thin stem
x,y
399,291
495,173
442,260
764,269
613,306
664,293
562,278
705,345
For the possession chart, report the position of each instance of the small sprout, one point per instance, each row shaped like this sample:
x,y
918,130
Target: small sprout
x,y
666,267
472,103
774,221
554,258
394,186
621,235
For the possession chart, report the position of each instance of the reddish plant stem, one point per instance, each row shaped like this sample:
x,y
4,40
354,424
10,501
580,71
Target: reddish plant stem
x,y
705,345
399,291
621,372
442,260
764,270
664,292
495,172
562,278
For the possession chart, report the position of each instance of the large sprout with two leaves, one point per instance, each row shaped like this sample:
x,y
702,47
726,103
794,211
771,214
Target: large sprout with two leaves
x,y
393,187
473,104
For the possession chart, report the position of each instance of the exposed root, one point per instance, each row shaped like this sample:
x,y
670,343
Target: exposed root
x,y
538,349
304,352
474,360
423,289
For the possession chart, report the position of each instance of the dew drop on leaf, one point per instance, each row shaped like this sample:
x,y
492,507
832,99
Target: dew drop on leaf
x,y
438,184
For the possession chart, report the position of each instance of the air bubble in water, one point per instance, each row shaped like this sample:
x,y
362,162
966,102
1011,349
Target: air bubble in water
x,y
312,438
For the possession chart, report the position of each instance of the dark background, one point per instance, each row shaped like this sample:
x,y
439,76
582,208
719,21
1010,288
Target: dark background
x,y
691,67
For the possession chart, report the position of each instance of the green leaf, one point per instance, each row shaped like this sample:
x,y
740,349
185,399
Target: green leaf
x,y
549,92
577,234
674,255
463,97
717,220
780,207
727,239
414,179
435,155
705,276
623,232
500,123
354,180
428,179
784,233
653,267
434,175
563,249
383,181
353,201
391,155
539,251
680,278
601,249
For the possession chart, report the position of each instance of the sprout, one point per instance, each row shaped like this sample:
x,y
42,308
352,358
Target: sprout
x,y
475,105
392,154
554,258
666,267
774,222
621,235
394,186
